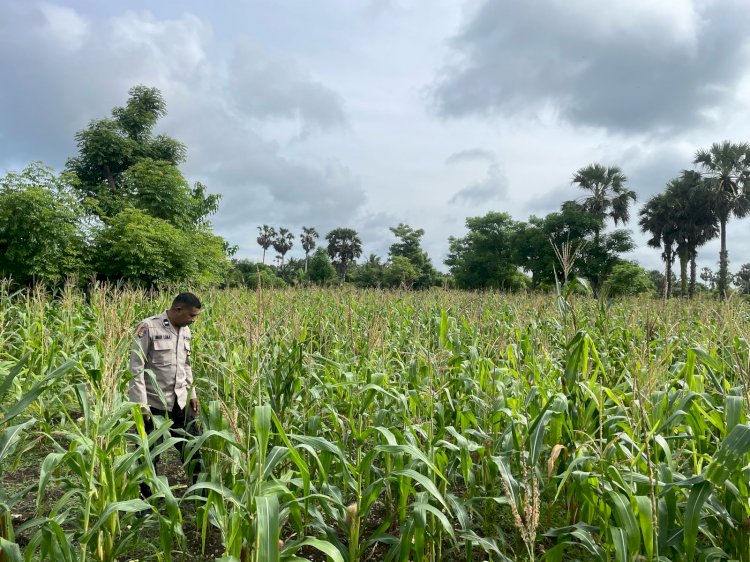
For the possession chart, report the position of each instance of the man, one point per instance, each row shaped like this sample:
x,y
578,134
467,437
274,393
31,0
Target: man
x,y
162,346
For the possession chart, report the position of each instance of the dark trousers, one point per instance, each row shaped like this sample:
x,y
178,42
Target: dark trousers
x,y
183,421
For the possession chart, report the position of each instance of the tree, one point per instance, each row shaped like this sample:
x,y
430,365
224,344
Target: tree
x,y
691,200
41,227
151,251
109,147
408,246
321,270
344,246
308,237
158,188
484,258
726,165
370,274
609,196
575,228
708,277
401,273
628,279
245,273
742,279
283,242
657,219
266,236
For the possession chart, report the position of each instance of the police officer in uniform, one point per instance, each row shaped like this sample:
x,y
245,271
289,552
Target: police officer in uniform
x,y
162,346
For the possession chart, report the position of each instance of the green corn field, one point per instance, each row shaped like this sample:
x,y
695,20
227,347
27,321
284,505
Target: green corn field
x,y
352,425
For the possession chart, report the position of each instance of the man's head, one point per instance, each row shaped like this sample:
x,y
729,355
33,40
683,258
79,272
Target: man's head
x,y
185,309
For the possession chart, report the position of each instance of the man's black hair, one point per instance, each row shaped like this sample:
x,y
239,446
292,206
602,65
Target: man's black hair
x,y
186,300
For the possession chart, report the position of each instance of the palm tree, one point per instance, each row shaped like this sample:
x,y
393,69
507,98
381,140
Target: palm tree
x,y
344,246
609,197
692,200
265,238
308,236
283,243
657,219
726,165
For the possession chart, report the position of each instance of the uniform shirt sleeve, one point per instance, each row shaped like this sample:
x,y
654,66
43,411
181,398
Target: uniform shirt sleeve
x,y
138,354
189,373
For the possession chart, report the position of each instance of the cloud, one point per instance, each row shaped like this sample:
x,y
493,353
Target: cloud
x,y
61,78
624,65
471,155
493,187
264,86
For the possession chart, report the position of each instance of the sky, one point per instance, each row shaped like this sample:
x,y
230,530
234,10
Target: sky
x,y
370,113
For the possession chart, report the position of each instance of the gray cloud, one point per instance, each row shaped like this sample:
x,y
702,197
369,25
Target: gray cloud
x,y
48,53
471,155
493,187
623,65
264,86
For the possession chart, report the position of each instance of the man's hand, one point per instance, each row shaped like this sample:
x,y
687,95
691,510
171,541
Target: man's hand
x,y
194,405
146,413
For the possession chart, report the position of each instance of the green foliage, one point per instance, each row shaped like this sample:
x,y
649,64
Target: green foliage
x,y
41,227
401,273
158,188
609,198
371,273
320,269
141,248
107,148
726,167
245,273
408,246
485,258
628,279
344,246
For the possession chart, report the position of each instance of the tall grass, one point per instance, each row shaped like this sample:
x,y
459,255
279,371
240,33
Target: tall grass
x,y
398,426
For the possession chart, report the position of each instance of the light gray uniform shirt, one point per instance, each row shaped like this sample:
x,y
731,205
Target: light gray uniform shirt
x,y
165,351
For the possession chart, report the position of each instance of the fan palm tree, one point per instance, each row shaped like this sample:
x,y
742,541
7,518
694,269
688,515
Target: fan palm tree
x,y
657,219
283,243
308,236
726,165
609,198
266,235
692,201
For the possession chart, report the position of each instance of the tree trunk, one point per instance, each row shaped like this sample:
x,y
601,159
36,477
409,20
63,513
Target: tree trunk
x,y
110,178
684,258
263,261
693,255
723,260
306,257
667,271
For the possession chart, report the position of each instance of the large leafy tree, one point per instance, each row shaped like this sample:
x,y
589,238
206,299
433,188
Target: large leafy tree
x,y
485,257
124,173
108,147
692,202
609,196
321,269
151,251
158,188
344,246
575,228
657,218
41,227
726,166
408,246
266,236
308,239
283,242
370,274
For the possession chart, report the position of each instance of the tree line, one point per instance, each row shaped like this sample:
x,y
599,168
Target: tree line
x,y
122,210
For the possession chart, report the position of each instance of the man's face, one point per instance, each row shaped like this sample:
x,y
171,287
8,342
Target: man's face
x,y
184,315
